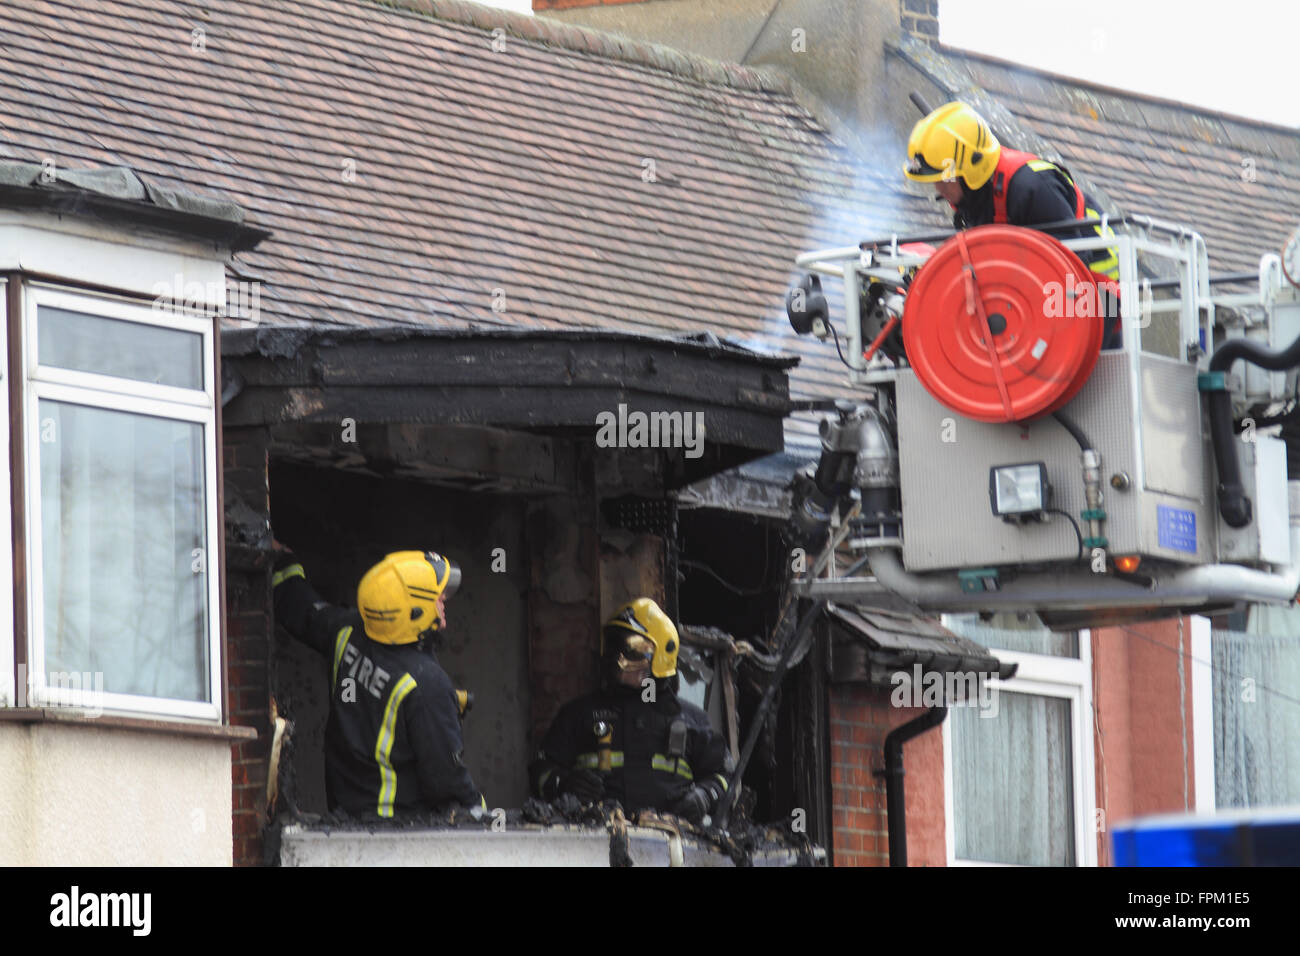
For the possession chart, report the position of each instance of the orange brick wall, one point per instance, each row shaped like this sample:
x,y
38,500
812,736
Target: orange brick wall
x,y
1142,744
860,720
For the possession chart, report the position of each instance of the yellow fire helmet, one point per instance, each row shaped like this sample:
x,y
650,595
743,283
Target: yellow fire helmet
x,y
953,141
643,618
398,597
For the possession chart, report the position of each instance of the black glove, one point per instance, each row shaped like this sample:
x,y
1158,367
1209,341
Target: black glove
x,y
693,805
586,785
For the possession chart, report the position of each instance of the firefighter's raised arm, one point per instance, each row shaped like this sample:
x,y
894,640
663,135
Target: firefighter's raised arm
x,y
298,608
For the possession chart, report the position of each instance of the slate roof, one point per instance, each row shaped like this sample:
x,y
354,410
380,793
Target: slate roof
x,y
1162,159
422,164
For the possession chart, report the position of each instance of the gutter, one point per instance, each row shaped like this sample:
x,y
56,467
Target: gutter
x,y
895,792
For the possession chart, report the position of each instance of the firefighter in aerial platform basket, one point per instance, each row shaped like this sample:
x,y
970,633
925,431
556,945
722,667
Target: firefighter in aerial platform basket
x,y
986,183
393,742
633,741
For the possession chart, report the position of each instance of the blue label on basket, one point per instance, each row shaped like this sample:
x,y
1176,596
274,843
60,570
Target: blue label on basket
x,y
1176,528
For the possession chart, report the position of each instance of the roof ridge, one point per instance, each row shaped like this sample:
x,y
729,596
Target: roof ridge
x,y
1119,91
584,40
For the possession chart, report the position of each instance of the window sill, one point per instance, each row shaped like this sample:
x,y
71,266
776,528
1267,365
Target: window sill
x,y
55,715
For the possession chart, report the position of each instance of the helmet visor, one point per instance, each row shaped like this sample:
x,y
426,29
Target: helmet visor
x,y
918,168
635,654
445,570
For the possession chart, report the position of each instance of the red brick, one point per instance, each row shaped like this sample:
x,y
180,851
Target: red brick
x,y
247,825
248,851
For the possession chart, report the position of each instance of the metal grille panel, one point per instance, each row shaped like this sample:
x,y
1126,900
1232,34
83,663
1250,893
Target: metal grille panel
x,y
945,462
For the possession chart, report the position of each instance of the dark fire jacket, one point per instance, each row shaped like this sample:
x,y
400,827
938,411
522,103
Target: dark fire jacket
x,y
393,741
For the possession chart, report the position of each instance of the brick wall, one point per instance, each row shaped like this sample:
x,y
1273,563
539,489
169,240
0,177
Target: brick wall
x,y
1143,731
860,720
920,19
248,631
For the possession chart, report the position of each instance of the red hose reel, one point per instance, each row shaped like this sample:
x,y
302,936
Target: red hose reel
x,y
1041,304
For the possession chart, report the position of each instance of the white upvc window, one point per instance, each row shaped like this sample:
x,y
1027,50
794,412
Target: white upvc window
x,y
1018,777
7,688
1244,712
123,606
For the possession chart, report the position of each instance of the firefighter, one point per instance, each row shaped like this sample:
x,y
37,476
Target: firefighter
x,y
986,182
393,741
633,741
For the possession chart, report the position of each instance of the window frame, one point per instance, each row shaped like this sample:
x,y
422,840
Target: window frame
x,y
1205,773
109,393
1042,675
8,688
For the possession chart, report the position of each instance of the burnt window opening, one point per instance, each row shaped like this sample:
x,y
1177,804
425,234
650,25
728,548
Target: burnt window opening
x,y
731,571
341,523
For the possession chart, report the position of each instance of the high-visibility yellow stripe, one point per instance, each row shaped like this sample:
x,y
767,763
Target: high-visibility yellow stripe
x,y
384,745
722,779
284,574
592,761
340,642
1109,266
672,765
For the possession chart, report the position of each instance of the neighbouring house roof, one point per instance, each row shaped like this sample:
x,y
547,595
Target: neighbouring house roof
x,y
1231,179
436,163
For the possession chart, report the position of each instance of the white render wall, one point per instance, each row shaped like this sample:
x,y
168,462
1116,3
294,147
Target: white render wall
x,y
81,795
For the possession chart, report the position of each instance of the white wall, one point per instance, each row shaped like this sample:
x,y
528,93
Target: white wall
x,y
73,795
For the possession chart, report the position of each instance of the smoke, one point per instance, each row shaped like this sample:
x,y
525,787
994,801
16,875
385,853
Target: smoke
x,y
849,193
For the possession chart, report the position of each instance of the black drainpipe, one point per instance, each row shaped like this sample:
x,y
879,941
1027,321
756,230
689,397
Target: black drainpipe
x,y
895,803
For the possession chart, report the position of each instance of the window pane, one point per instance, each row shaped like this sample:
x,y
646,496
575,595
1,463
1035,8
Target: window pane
x,y
1015,632
1256,716
122,535
1013,782
144,353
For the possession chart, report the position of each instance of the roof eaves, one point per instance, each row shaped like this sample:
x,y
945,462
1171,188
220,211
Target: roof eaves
x,y
581,40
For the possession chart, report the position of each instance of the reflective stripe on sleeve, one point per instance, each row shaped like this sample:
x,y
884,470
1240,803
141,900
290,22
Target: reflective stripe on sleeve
x,y
340,642
592,761
284,574
384,745
672,765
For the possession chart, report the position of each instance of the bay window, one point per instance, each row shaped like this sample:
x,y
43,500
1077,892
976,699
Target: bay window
x,y
121,506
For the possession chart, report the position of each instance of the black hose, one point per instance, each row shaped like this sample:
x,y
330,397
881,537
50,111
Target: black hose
x,y
1234,503
1073,428
1073,524
1255,354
